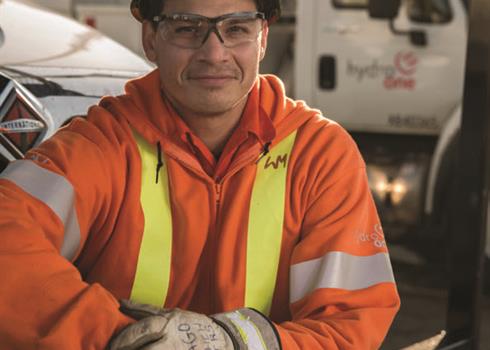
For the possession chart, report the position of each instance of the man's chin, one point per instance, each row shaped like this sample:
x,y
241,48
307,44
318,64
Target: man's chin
x,y
213,107
211,111
217,101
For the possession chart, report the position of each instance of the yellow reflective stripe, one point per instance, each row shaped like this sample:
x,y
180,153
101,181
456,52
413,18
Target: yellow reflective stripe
x,y
248,331
153,270
265,227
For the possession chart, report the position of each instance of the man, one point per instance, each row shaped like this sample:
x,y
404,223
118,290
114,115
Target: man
x,y
205,189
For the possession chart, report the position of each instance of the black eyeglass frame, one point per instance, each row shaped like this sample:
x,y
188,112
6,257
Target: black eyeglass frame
x,y
213,21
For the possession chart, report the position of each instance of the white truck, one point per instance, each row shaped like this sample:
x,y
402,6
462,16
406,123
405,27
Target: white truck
x,y
395,85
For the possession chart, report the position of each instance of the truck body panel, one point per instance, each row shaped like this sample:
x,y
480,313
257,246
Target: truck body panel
x,y
379,75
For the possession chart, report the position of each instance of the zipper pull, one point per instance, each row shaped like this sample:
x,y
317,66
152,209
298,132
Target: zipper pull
x,y
217,187
160,161
265,151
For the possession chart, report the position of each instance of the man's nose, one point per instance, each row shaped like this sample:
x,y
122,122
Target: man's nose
x,y
213,48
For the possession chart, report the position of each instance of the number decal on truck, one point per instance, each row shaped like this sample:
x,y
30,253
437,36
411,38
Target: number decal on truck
x,y
414,121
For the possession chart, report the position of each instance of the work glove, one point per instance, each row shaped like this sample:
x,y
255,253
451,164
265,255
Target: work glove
x,y
166,329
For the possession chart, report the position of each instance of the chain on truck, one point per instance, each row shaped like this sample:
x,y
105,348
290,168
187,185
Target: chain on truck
x,y
396,85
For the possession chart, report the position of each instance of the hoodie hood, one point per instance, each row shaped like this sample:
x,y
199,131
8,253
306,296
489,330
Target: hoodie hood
x,y
149,114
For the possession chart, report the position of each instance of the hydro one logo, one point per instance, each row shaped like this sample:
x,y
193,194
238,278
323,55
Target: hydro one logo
x,y
399,75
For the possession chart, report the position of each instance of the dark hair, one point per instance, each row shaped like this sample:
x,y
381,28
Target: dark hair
x,y
152,8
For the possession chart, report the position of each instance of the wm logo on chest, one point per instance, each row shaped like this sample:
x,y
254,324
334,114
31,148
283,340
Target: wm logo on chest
x,y
280,160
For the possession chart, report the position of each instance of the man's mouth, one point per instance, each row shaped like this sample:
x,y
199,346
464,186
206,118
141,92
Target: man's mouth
x,y
212,79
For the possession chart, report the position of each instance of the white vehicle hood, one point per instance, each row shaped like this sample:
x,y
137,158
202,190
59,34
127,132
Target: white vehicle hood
x,y
59,42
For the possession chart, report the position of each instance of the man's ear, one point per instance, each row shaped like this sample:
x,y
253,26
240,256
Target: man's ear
x,y
263,41
149,36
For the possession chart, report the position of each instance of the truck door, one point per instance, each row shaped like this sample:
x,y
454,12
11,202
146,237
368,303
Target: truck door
x,y
367,78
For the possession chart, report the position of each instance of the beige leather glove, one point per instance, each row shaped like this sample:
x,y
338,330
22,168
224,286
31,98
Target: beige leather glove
x,y
159,329
165,329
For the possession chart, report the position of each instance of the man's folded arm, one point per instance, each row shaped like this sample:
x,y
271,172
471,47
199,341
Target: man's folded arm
x,y
44,223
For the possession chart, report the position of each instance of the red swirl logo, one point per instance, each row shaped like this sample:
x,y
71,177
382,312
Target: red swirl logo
x,y
406,63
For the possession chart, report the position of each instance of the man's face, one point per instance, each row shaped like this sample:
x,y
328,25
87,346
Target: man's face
x,y
212,79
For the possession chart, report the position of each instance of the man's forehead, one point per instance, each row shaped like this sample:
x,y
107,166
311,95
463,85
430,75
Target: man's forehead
x,y
210,8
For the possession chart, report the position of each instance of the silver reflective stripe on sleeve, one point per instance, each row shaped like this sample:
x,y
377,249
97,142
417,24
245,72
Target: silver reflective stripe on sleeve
x,y
54,191
339,270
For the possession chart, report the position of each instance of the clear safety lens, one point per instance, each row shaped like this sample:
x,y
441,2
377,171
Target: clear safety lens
x,y
191,31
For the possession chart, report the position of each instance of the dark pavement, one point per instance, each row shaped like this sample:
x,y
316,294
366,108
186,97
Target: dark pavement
x,y
422,286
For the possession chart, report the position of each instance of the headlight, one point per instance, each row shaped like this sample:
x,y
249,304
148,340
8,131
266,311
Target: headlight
x,y
397,189
397,167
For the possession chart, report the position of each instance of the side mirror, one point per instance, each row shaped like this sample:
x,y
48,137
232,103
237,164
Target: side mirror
x,y
384,9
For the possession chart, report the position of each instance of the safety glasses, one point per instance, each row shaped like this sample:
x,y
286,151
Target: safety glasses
x,y
191,31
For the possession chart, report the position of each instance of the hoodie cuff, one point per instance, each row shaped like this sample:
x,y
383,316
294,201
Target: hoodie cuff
x,y
249,329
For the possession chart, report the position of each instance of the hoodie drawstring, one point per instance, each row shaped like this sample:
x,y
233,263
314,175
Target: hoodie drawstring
x,y
264,152
160,161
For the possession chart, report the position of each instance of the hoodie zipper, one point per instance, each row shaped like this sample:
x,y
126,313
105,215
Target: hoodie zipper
x,y
248,159
218,187
213,246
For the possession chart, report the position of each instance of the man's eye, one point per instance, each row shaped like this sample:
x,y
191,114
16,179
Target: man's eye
x,y
237,29
186,29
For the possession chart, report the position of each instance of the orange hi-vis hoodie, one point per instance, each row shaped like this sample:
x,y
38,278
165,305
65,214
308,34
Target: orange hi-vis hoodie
x,y
72,222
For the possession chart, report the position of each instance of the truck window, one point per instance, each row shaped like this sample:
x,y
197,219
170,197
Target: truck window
x,y
350,3
429,11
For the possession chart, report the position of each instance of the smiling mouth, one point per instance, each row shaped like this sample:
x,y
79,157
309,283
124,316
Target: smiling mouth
x,y
213,80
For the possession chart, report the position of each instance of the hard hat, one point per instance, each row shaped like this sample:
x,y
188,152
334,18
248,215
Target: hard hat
x,y
140,8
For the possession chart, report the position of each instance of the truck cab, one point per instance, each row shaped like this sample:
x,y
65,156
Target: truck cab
x,y
356,58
